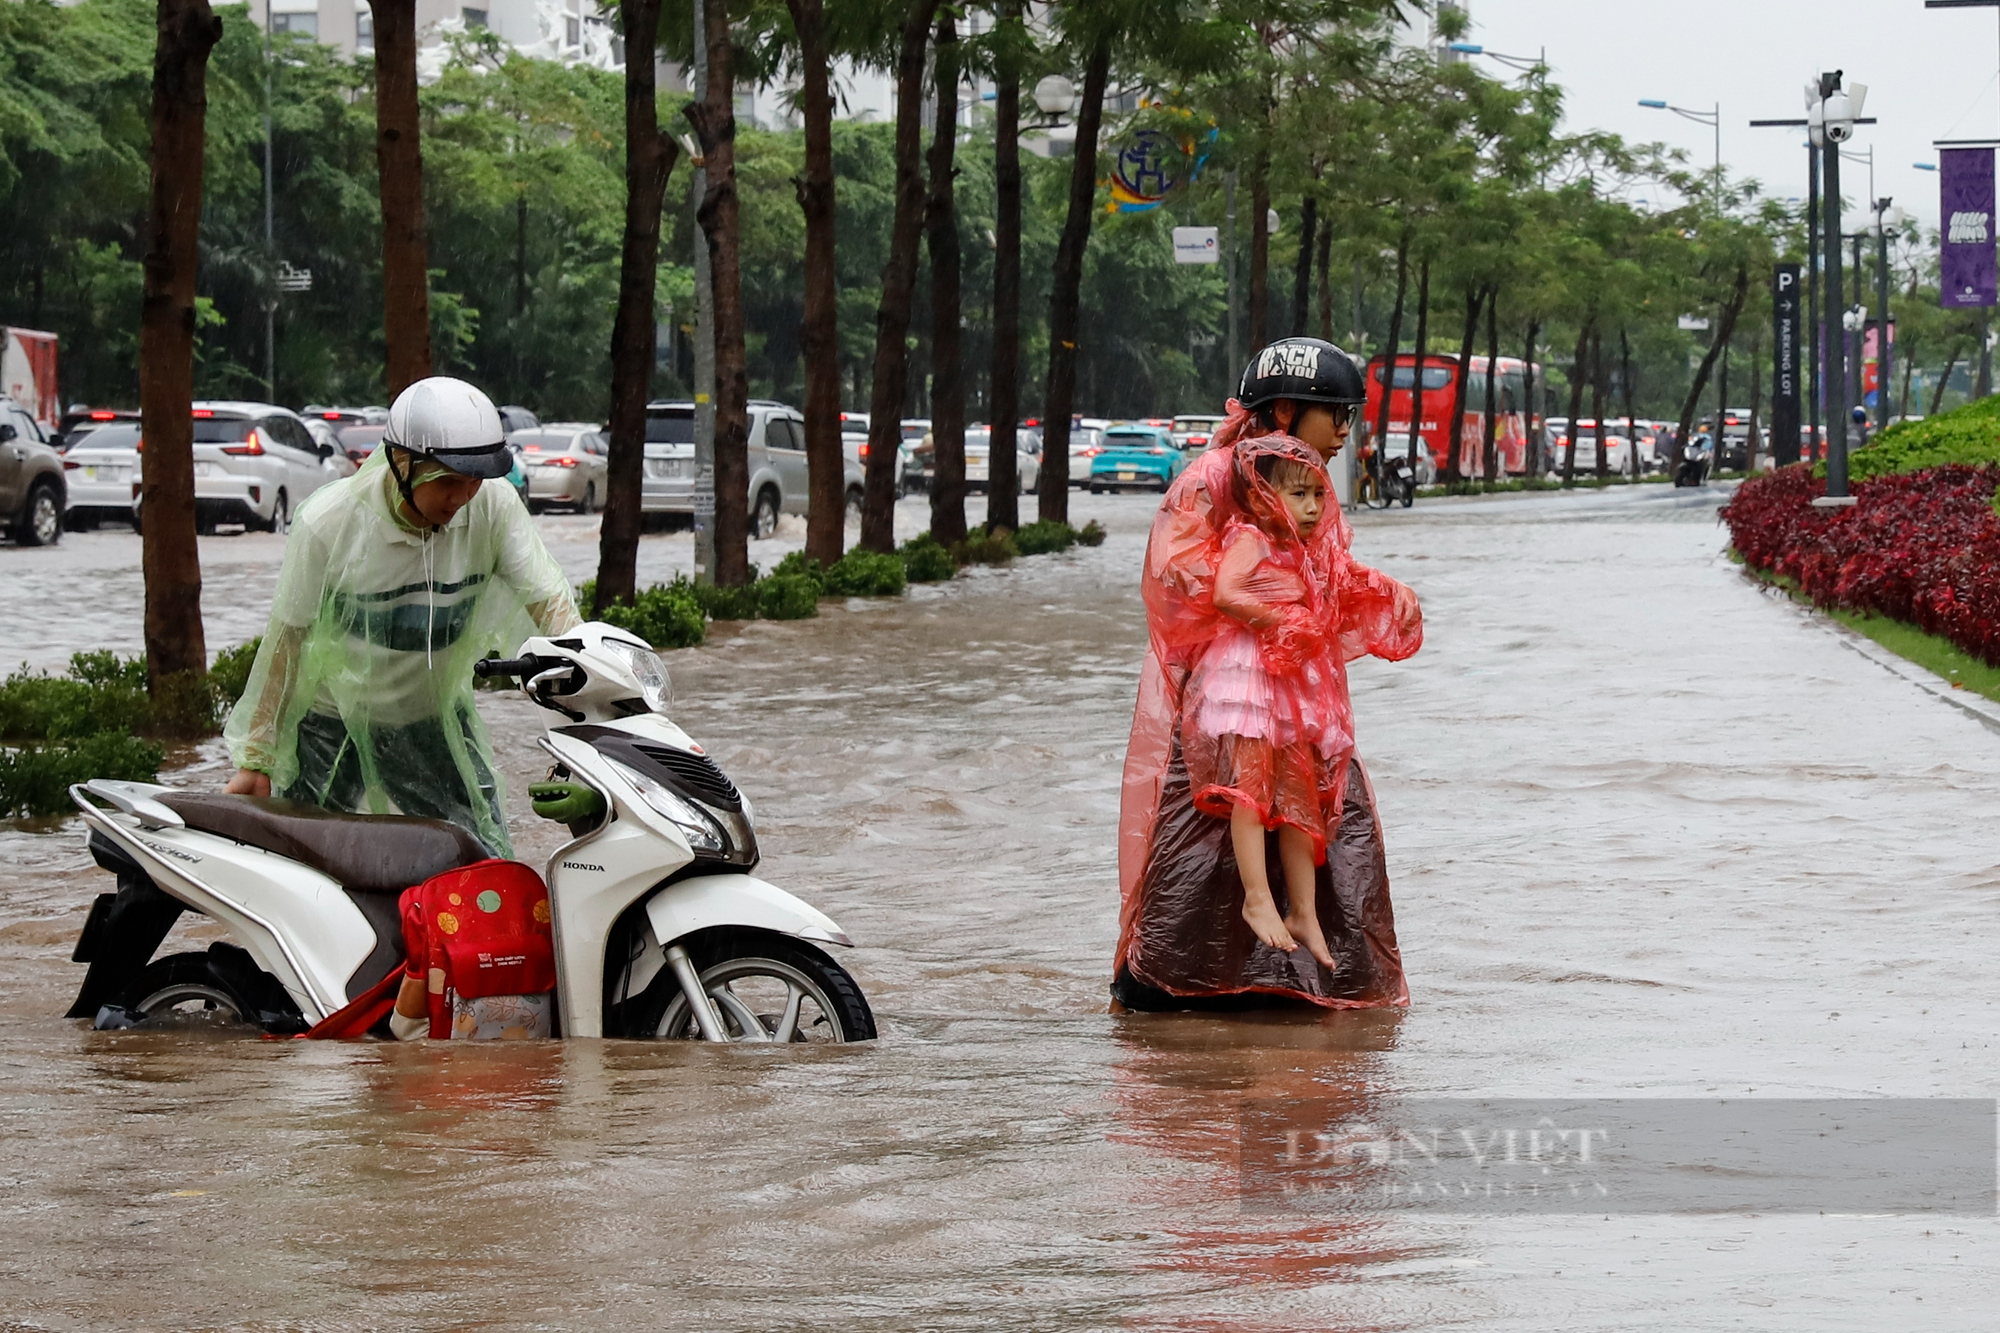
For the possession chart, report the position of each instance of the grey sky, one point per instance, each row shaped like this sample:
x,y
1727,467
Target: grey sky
x,y
1931,74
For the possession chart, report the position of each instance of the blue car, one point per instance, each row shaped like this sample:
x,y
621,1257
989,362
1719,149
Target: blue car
x,y
1136,458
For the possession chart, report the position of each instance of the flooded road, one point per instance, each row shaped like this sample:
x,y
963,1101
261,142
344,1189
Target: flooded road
x,y
1651,833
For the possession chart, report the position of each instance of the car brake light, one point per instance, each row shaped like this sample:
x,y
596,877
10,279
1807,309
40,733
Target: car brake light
x,y
252,446
862,449
202,412
103,416
559,462
330,416
71,465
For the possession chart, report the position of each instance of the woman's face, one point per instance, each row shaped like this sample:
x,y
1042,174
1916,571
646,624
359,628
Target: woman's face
x,y
1305,500
437,502
1322,427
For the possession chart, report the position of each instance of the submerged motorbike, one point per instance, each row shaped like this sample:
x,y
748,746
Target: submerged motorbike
x,y
660,930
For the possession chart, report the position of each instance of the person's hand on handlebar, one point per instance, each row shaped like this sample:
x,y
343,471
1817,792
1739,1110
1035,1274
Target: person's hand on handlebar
x,y
249,782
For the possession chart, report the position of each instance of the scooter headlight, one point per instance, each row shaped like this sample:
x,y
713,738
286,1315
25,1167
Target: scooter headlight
x,y
655,686
702,833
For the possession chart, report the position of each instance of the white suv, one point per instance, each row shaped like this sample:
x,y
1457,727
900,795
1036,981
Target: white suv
x,y
254,464
777,458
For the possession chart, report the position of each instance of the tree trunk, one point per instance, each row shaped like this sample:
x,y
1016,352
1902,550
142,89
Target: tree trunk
x,y
399,164
1003,506
899,280
1603,468
941,220
1066,285
1302,271
1455,444
1937,398
1531,456
819,329
1725,327
1420,351
1756,391
176,652
1625,383
1489,445
649,161
1260,248
1326,282
714,121
1395,341
1576,376
1903,399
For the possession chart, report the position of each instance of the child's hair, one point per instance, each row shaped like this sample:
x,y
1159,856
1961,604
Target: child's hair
x,y
1281,471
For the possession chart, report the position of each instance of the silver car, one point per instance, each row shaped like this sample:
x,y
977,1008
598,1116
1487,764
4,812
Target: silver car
x,y
566,465
776,457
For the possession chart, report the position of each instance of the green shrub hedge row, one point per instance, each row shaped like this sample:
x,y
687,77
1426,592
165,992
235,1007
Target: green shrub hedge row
x,y
92,723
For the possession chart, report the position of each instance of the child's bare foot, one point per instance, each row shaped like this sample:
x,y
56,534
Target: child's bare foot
x,y
1304,927
1263,918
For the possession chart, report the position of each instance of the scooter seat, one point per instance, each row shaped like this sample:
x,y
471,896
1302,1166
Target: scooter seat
x,y
363,853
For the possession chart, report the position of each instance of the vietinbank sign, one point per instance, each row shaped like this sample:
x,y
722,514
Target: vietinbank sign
x,y
1967,275
1196,245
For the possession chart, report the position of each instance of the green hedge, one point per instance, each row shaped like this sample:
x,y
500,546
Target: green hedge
x,y
1969,434
91,723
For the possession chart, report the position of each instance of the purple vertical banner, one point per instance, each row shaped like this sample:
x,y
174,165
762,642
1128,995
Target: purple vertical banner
x,y
1965,208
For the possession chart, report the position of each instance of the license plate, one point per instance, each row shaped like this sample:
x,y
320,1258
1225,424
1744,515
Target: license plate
x,y
665,467
209,470
1128,476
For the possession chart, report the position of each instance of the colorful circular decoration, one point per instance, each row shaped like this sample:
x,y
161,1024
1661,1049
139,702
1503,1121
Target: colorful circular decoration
x,y
447,923
489,901
542,910
1148,167
455,899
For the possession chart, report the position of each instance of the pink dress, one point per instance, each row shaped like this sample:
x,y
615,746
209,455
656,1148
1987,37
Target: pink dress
x,y
1265,723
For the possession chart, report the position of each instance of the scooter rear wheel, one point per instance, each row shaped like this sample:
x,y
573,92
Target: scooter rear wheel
x,y
220,986
764,988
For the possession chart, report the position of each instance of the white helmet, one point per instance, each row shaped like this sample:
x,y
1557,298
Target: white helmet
x,y
451,423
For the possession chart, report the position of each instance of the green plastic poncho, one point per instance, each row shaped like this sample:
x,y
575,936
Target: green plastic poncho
x,y
361,697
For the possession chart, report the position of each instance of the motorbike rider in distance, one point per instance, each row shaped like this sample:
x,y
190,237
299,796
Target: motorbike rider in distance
x,y
395,581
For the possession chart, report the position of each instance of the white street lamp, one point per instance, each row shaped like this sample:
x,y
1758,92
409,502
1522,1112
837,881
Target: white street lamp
x,y
1055,95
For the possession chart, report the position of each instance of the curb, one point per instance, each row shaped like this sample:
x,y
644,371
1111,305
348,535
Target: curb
x,y
1980,707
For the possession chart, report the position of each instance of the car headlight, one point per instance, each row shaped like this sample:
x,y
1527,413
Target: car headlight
x,y
655,686
702,833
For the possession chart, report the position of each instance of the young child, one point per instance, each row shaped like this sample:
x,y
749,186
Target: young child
x,y
1269,741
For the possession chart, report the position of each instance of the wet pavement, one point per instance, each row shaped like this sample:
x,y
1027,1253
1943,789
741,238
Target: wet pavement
x,y
1652,832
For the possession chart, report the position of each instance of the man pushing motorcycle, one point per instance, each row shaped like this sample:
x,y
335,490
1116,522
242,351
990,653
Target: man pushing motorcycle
x,y
395,581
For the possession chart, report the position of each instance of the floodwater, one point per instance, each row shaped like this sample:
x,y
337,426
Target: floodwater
x,y
1652,833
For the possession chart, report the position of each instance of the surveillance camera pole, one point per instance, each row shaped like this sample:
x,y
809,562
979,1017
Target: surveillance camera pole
x,y
703,519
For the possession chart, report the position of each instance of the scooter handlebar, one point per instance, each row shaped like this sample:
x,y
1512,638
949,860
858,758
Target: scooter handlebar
x,y
509,666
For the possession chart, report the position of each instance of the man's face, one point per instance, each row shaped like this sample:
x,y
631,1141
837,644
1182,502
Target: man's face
x,y
438,502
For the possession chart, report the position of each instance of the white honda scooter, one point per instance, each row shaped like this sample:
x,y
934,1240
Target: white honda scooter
x,y
660,931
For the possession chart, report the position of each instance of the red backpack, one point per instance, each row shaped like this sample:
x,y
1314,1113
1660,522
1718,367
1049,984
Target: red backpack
x,y
479,936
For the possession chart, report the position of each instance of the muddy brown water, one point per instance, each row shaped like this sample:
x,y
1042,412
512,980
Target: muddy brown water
x,y
1652,833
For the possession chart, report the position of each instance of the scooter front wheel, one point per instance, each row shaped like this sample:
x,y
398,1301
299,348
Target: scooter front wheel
x,y
764,988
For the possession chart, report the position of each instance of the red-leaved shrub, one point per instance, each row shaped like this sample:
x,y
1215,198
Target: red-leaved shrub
x,y
1920,547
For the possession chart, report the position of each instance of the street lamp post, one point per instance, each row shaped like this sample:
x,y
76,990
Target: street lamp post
x,y
1830,120
1815,319
1712,119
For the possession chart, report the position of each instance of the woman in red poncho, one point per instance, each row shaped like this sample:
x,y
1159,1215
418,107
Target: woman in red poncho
x,y
1184,940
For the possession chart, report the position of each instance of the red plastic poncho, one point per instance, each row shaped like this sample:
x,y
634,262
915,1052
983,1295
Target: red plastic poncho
x,y
1180,924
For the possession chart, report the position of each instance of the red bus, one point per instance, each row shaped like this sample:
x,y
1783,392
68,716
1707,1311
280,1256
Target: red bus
x,y
1439,390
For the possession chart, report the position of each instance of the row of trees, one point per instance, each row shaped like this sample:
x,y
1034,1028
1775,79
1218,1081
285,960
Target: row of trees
x,y
521,222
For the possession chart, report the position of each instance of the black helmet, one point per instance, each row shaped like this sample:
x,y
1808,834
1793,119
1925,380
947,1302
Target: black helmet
x,y
1306,370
